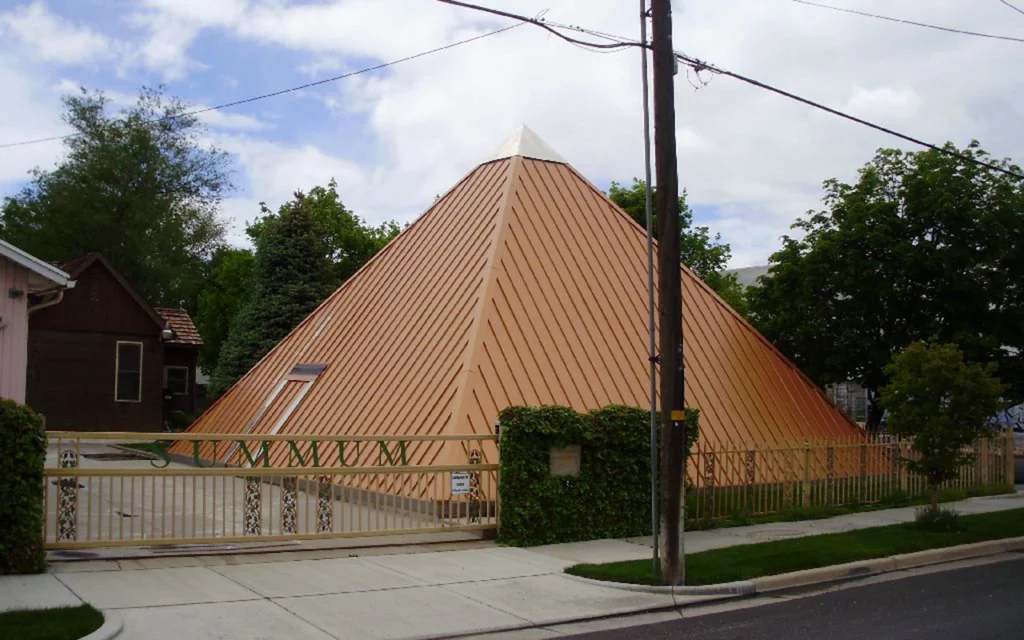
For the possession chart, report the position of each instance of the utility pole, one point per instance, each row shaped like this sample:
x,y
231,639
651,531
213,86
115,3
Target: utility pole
x,y
670,296
652,326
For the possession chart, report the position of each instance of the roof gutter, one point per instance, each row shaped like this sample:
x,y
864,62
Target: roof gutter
x,y
55,296
34,264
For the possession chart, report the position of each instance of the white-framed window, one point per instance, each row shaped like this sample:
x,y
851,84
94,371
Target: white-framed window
x,y
128,372
176,380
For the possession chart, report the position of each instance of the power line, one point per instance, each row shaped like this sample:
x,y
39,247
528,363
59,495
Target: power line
x,y
699,65
264,96
539,22
1015,8
916,24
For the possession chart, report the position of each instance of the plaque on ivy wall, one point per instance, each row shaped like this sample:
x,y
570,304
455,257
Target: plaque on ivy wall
x,y
565,461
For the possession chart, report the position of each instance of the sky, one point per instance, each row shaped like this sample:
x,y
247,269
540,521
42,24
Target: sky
x,y
752,162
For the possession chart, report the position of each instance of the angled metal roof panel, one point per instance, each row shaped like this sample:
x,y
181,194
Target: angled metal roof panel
x,y
523,285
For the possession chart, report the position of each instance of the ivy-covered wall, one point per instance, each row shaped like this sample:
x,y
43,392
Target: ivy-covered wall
x,y
22,456
611,496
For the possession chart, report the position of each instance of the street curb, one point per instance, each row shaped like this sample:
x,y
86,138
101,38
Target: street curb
x,y
738,588
621,613
878,566
832,573
110,629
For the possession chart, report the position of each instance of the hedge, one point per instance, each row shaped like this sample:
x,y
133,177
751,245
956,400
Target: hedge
x,y
611,496
22,456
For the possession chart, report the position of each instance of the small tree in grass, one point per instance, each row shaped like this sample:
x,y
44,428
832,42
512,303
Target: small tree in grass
x,y
943,403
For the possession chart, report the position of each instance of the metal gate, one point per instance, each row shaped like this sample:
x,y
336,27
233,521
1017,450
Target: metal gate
x,y
127,489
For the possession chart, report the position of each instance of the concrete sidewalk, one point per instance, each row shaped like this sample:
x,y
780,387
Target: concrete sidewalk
x,y
396,592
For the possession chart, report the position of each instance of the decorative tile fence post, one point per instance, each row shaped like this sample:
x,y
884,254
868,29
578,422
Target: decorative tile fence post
x,y
1008,478
289,505
862,486
750,462
830,474
895,455
253,506
805,491
789,479
324,505
67,510
709,484
474,487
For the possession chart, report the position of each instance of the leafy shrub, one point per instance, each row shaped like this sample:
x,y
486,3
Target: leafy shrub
x,y
938,519
944,403
611,496
22,456
179,421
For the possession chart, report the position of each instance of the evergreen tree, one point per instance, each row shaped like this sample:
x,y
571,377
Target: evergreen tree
x,y
291,276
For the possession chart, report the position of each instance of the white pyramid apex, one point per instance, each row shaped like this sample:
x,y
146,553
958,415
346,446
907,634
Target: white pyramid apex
x,y
524,142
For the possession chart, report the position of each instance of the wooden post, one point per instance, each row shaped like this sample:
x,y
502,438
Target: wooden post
x,y
1009,467
982,462
805,498
670,296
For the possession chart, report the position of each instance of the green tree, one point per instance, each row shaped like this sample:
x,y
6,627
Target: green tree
x,y
220,300
291,276
142,187
349,242
705,255
941,402
922,245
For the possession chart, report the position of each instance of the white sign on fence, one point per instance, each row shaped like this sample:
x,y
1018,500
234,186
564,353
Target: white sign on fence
x,y
460,483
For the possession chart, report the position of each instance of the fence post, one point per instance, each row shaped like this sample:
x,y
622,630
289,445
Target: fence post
x,y
788,480
324,505
67,510
289,505
1010,471
862,485
904,472
830,474
805,498
751,465
253,506
709,484
474,486
982,461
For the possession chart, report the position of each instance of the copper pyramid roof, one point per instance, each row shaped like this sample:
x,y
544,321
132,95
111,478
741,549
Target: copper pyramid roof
x,y
523,284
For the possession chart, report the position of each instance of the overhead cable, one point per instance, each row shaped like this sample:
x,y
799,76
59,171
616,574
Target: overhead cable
x,y
272,94
699,65
1012,6
539,22
911,22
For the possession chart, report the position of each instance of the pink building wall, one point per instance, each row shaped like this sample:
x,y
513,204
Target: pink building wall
x,y
14,333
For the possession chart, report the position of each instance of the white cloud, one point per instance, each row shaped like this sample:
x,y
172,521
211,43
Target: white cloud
x,y
883,101
27,112
756,157
227,120
47,37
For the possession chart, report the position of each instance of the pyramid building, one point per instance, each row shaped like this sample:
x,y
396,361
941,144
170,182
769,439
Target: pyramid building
x,y
525,285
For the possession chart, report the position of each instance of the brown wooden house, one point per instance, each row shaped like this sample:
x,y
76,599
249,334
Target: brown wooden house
x,y
105,360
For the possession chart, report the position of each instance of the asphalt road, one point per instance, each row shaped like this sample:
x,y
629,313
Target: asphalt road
x,y
977,603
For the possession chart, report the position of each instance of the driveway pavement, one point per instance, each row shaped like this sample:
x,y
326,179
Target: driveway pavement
x,y
390,592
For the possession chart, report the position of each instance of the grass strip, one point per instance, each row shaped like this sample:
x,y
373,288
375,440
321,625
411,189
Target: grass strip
x,y
64,623
748,561
896,500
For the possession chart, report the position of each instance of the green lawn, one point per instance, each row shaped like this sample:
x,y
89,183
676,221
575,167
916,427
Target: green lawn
x,y
66,623
820,512
783,556
146,447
